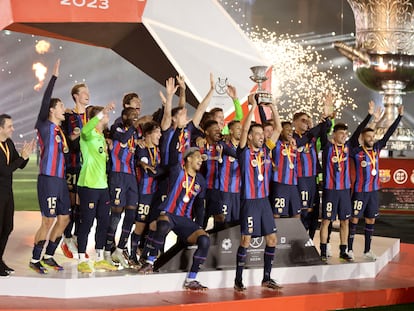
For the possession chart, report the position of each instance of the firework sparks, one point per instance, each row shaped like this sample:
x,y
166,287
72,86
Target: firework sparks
x,y
297,82
40,73
42,47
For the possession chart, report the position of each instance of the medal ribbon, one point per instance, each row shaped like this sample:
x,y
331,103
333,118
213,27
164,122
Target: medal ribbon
x,y
288,153
181,141
371,157
153,157
259,162
188,188
65,144
6,151
339,156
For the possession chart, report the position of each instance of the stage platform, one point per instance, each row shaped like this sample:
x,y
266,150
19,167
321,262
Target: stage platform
x,y
388,280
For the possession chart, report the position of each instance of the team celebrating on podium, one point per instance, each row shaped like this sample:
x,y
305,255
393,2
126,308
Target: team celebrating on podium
x,y
164,173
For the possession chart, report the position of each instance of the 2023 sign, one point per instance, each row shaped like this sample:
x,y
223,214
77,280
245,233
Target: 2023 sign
x,y
93,4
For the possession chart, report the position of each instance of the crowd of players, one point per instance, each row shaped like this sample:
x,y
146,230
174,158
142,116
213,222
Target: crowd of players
x,y
163,173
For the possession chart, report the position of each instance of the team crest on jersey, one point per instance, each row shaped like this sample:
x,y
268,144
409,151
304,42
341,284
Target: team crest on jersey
x,y
197,187
91,205
385,175
231,159
120,130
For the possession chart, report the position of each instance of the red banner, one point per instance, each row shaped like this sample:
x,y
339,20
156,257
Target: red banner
x,y
397,183
65,11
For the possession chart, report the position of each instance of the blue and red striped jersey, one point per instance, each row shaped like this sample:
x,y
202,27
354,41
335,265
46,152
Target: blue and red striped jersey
x,y
147,183
367,162
211,156
123,151
255,170
229,170
183,185
284,158
52,141
73,122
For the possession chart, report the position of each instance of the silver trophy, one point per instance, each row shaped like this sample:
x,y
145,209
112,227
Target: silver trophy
x,y
259,76
383,58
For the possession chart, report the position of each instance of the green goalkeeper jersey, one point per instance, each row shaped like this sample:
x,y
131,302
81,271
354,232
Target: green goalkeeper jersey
x,y
94,157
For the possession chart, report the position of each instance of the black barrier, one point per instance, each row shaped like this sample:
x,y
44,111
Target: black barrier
x,y
294,248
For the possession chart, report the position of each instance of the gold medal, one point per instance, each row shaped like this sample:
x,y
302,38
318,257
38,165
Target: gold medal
x,y
334,159
65,149
231,159
220,160
374,172
254,162
76,131
260,177
284,152
291,166
364,163
300,149
204,157
186,199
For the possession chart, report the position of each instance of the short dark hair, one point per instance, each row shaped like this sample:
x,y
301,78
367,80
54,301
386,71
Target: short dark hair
x,y
366,130
3,118
340,127
209,123
253,125
75,89
127,98
300,114
232,123
94,110
267,123
286,123
53,102
215,109
175,110
148,127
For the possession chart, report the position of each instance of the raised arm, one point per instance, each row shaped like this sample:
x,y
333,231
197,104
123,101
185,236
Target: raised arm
x,y
276,122
44,108
171,88
181,83
247,122
383,141
204,103
354,138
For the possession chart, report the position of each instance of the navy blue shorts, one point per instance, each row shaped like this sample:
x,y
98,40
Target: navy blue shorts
x,y
256,217
123,189
144,208
182,226
230,204
53,196
365,204
336,202
285,199
307,191
213,206
72,176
